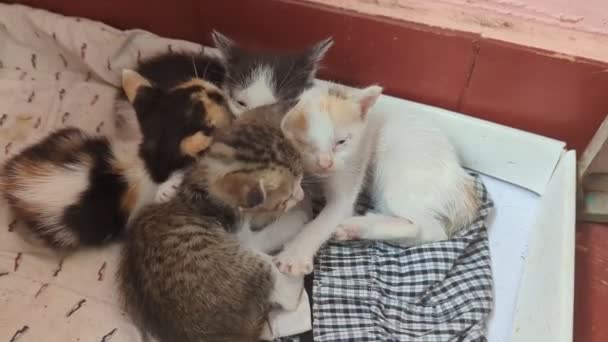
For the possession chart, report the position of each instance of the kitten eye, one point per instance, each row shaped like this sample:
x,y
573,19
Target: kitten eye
x,y
340,142
242,103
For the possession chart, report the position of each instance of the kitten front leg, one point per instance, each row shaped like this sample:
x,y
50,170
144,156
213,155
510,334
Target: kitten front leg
x,y
297,256
274,236
376,227
287,290
168,189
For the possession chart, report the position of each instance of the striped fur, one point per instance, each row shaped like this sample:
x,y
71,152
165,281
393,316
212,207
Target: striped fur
x,y
186,274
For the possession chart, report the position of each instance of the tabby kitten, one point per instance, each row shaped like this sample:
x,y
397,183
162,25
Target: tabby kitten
x,y
249,78
73,189
190,270
412,172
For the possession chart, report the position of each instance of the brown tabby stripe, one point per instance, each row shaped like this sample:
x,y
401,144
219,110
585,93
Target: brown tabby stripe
x,y
258,143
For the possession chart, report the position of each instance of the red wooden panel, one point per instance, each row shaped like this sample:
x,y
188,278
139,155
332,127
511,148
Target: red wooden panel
x,y
537,91
591,287
514,85
175,19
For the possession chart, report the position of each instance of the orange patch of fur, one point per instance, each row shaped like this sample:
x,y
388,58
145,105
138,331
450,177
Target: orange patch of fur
x,y
131,82
129,199
216,115
195,144
299,122
25,170
342,111
197,82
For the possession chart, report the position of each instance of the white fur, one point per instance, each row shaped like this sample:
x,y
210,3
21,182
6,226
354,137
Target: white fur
x,y
274,236
61,188
418,183
257,93
127,154
287,289
51,194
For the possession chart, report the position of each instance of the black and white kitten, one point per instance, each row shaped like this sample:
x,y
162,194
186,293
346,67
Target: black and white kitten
x,y
248,78
256,78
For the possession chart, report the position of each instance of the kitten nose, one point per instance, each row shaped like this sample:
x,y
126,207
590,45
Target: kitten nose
x,y
325,161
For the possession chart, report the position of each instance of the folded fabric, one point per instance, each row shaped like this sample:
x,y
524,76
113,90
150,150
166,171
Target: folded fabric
x,y
375,291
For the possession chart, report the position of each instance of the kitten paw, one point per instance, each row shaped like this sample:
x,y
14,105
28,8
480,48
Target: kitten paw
x,y
292,263
347,232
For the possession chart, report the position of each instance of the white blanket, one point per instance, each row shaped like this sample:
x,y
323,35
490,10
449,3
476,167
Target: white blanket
x,y
58,71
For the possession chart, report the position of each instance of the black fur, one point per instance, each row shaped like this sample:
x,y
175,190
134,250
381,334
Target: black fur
x,y
98,215
171,69
292,72
166,117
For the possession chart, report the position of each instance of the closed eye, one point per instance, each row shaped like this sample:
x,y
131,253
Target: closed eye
x,y
341,141
242,103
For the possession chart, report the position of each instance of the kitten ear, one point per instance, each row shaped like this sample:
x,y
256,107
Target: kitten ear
x,y
132,82
316,54
241,190
367,97
294,122
318,51
223,43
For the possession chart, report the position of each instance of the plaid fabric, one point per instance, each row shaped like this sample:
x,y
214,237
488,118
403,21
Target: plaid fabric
x,y
375,291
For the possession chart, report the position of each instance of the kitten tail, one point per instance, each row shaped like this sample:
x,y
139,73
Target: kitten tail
x,y
466,207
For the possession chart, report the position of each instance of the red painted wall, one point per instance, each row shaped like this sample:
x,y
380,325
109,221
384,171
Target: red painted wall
x,y
563,98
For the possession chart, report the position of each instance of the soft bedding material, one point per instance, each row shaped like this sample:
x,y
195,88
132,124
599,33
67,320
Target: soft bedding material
x,y
58,71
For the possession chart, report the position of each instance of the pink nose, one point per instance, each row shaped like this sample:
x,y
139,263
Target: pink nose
x,y
325,161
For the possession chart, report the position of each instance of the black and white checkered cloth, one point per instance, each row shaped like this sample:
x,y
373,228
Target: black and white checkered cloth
x,y
375,291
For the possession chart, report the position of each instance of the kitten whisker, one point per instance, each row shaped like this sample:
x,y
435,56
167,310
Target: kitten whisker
x,y
286,78
205,71
194,65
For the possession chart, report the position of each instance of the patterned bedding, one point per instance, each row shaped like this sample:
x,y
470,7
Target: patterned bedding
x,y
58,71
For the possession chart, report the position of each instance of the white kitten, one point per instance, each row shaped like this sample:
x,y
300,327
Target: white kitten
x,y
419,189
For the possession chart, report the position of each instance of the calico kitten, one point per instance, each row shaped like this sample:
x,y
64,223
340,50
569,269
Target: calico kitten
x,y
73,189
190,270
249,78
419,189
